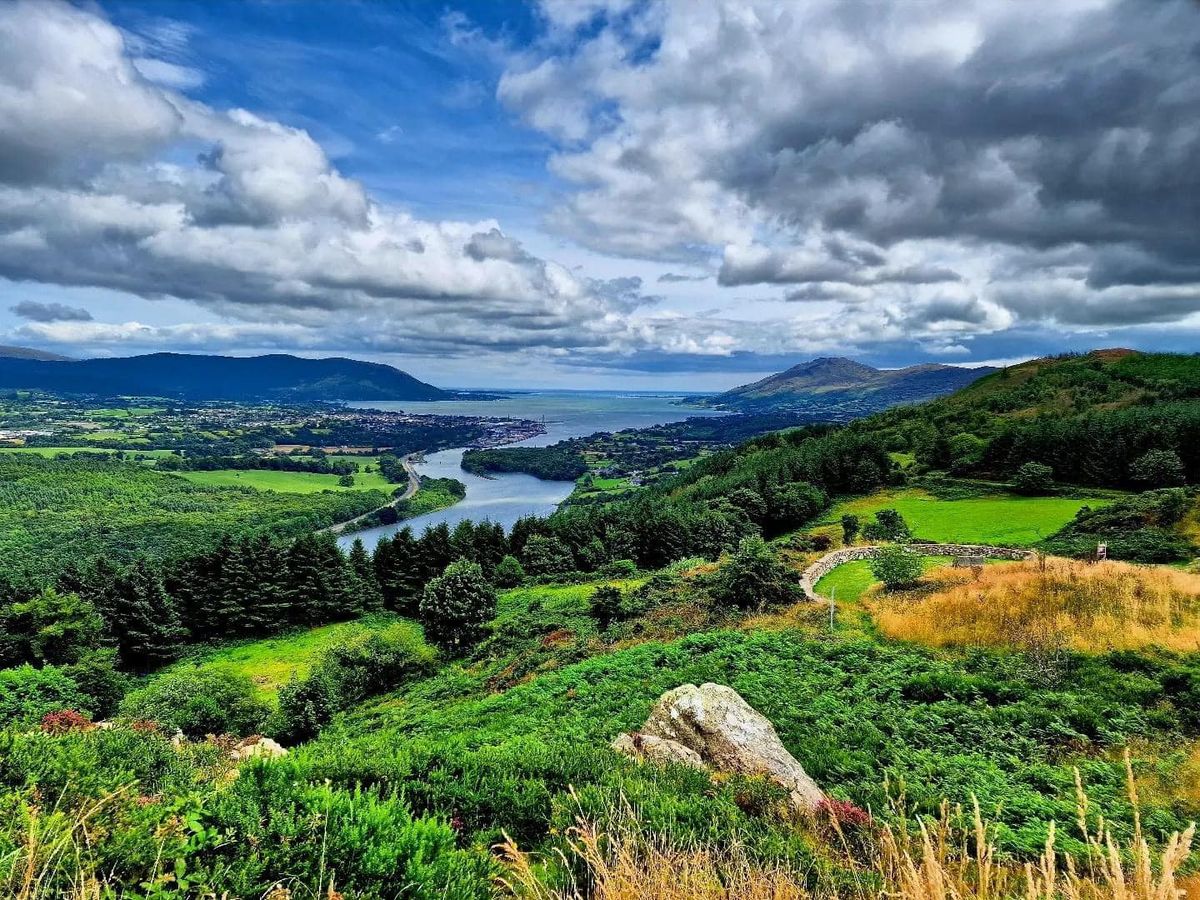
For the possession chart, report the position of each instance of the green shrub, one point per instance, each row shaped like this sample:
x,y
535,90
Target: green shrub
x,y
347,675
897,567
753,578
27,694
291,829
456,606
199,701
1033,478
1158,469
888,525
605,605
509,572
547,556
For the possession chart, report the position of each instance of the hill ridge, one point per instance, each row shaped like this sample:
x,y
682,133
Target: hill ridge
x,y
274,376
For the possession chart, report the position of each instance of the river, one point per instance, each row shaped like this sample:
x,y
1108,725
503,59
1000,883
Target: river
x,y
505,498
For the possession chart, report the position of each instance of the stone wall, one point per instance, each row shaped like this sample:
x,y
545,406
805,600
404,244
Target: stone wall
x,y
830,561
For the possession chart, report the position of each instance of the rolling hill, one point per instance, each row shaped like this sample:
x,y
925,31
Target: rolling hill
x,y
842,388
10,352
196,377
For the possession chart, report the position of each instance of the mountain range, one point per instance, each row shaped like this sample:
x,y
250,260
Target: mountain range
x,y
840,388
195,377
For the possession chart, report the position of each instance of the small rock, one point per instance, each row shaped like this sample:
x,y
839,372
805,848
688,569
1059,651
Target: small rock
x,y
712,727
258,746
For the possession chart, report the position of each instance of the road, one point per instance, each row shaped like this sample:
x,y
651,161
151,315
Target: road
x,y
414,485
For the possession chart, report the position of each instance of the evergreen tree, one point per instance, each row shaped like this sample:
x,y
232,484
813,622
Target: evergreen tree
x,y
491,546
400,572
267,603
462,541
143,619
605,605
363,572
434,550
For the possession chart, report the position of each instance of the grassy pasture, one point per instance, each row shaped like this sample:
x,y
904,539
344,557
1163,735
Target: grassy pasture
x,y
286,482
272,662
51,452
1002,519
854,579
1091,608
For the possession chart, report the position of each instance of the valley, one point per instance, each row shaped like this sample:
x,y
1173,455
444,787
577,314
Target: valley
x,y
463,670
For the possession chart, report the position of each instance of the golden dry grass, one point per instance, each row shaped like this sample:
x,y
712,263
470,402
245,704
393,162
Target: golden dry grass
x,y
1049,604
921,860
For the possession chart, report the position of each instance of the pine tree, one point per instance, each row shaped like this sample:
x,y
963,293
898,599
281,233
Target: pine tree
x,y
400,572
462,541
435,550
143,619
267,604
365,585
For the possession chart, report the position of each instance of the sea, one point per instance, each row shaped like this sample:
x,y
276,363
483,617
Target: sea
x,y
504,498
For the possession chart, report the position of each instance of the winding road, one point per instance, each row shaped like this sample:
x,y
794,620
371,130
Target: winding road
x,y
414,485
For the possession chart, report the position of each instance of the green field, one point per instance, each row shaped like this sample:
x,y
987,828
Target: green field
x,y
286,482
272,662
568,599
853,579
1002,519
55,451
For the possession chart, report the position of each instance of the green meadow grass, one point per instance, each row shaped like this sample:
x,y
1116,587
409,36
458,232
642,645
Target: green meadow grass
x,y
853,579
286,482
272,662
1003,519
55,451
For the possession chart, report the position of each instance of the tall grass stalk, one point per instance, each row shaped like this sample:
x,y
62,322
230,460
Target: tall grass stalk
x,y
925,859
1091,607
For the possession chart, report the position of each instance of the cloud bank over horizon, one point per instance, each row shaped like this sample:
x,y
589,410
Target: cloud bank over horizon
x,y
742,182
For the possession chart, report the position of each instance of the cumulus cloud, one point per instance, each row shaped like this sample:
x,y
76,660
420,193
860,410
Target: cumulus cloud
x,y
894,148
261,229
50,312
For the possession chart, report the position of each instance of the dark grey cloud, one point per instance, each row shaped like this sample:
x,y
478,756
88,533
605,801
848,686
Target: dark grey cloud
x,y
676,278
50,312
980,144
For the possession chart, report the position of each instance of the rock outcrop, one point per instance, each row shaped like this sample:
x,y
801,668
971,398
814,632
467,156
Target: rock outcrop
x,y
255,747
712,727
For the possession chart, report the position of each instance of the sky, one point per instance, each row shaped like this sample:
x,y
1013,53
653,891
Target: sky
x,y
637,194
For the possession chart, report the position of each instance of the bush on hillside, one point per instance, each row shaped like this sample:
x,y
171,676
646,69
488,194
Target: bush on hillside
x,y
547,556
1135,529
1033,479
753,578
1158,469
897,567
199,701
509,572
457,605
888,525
605,605
349,674
27,694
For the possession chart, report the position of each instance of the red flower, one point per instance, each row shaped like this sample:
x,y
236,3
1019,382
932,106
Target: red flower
x,y
63,721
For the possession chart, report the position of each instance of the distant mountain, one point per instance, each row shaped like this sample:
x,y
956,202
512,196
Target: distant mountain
x,y
184,376
30,353
838,388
